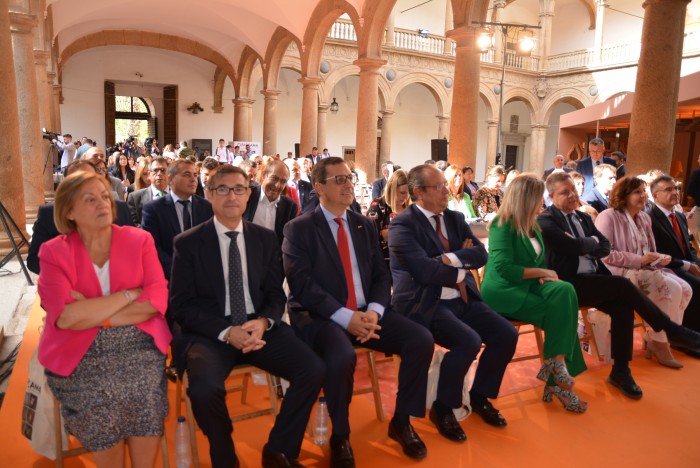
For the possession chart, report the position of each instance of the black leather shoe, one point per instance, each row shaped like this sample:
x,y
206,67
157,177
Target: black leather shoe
x,y
448,426
171,373
272,459
690,352
341,453
490,415
409,440
626,384
684,337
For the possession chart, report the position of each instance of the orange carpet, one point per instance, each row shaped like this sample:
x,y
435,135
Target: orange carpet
x,y
660,430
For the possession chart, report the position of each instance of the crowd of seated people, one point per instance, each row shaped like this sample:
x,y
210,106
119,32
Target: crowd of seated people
x,y
216,240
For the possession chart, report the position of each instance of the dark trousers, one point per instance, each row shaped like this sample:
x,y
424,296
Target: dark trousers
x,y
398,335
462,328
209,363
691,318
619,298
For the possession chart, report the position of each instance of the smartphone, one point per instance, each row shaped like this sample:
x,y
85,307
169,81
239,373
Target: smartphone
x,y
655,262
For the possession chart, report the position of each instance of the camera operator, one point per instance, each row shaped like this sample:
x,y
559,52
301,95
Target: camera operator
x,y
65,144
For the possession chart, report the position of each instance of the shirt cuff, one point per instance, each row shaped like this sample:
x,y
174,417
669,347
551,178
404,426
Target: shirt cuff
x,y
223,334
378,308
686,265
342,317
461,273
454,260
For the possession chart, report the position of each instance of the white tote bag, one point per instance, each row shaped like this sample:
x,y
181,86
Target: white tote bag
x,y
461,413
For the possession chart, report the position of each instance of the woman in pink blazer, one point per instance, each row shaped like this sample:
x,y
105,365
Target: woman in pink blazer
x,y
633,255
105,337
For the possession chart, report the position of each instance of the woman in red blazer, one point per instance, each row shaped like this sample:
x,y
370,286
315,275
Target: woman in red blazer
x,y
105,337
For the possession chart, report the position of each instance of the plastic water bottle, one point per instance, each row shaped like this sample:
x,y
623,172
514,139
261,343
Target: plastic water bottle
x,y
321,428
183,458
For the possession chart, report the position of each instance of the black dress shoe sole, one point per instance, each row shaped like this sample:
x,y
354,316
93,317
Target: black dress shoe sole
x,y
407,452
634,396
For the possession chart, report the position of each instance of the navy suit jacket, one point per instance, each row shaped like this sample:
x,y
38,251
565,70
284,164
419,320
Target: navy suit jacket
x,y
314,270
286,211
160,219
551,169
45,229
666,240
585,168
596,200
378,188
418,274
304,189
135,201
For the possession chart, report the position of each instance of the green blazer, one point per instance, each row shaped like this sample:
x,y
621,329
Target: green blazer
x,y
504,288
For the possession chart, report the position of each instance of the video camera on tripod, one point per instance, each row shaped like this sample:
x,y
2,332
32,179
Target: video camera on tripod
x,y
47,135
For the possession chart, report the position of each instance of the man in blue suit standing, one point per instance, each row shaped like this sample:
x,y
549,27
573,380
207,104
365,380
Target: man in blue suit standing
x,y
340,298
596,150
432,251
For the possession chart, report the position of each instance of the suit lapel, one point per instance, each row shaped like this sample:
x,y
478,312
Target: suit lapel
x,y
171,214
252,204
427,227
253,252
360,244
326,237
211,257
666,224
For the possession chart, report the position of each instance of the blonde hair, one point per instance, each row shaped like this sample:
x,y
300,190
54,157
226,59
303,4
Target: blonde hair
x,y
451,174
397,179
521,203
144,164
67,192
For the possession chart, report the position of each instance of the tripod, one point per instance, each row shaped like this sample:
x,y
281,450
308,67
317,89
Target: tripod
x,y
51,154
7,224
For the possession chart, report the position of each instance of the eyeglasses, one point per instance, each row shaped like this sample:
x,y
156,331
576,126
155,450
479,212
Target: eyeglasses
x,y
223,190
276,180
342,179
445,185
101,170
669,190
159,169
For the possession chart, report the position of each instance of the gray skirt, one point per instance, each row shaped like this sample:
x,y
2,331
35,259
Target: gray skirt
x,y
117,391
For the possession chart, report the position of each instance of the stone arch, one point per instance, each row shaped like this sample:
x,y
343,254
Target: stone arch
x,y
219,82
617,95
335,76
323,17
373,22
490,100
147,39
575,97
526,97
275,56
246,66
430,82
466,11
293,63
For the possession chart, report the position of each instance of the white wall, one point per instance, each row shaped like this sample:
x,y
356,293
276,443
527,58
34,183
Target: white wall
x,y
570,28
82,112
430,16
415,124
551,148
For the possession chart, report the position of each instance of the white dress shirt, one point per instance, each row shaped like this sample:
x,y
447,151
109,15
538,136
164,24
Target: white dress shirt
x,y
686,264
266,213
179,210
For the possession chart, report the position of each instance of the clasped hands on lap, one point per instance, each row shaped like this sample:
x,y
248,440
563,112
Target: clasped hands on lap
x,y
248,336
364,325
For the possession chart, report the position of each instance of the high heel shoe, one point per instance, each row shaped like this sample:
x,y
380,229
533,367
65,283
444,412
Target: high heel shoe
x,y
559,374
662,351
568,399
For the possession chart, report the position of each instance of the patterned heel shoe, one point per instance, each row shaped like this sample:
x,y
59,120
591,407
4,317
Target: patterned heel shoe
x,y
559,374
543,374
569,400
548,392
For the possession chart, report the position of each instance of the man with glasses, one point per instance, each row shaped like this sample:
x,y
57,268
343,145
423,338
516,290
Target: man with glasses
x,y
340,298
157,176
267,207
596,151
226,295
671,235
432,251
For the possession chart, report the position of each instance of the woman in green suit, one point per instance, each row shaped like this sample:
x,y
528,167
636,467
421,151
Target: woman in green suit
x,y
518,285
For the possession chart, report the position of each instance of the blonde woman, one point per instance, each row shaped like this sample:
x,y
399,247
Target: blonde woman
x,y
141,179
459,199
385,208
518,285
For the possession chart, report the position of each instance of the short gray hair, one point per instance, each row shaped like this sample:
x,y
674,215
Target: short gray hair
x,y
596,142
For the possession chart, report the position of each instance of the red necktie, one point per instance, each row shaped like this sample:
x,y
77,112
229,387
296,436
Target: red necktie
x,y
677,230
344,250
446,247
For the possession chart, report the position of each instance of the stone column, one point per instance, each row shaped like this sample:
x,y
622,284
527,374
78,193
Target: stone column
x,y
269,143
465,98
498,6
449,24
385,143
546,16
598,40
309,113
241,118
443,126
653,122
367,112
29,121
389,39
491,143
321,132
538,143
56,102
11,190
41,58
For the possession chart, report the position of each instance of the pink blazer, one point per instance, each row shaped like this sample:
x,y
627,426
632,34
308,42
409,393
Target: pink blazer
x,y
66,266
613,225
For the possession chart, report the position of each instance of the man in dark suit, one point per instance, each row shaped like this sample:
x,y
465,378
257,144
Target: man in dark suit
x,y
226,295
671,235
379,185
208,166
558,166
433,286
157,175
574,248
267,207
603,180
340,298
176,212
45,229
314,157
620,160
303,187
596,150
